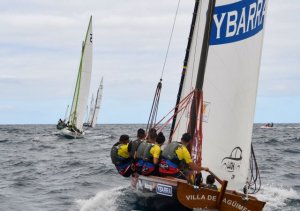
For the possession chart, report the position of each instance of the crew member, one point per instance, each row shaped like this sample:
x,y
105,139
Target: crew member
x,y
120,156
174,155
151,156
210,182
133,145
139,154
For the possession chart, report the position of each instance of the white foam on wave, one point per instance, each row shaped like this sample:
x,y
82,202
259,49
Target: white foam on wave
x,y
276,197
36,138
101,137
103,200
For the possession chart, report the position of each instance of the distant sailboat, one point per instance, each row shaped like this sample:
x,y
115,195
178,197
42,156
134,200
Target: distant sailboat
x,y
74,128
268,125
95,107
89,111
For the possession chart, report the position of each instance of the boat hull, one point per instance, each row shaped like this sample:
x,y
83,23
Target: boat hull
x,y
65,132
206,198
194,197
265,127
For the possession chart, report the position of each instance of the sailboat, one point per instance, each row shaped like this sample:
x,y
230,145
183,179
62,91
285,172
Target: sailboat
x,y
95,107
216,105
267,125
74,127
89,111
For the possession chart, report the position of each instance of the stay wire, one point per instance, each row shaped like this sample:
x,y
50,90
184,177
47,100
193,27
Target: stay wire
x,y
155,103
170,39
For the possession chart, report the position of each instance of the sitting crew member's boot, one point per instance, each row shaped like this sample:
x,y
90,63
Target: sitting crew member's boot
x,y
198,179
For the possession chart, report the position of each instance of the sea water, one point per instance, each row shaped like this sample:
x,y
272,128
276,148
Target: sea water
x,y
41,171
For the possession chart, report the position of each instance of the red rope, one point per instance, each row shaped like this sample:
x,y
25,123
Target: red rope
x,y
183,104
176,126
196,146
196,149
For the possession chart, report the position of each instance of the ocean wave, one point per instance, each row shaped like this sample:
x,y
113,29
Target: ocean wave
x,y
47,146
17,131
272,141
104,200
277,198
102,137
294,202
23,181
291,175
292,151
82,170
23,163
58,190
41,147
4,140
35,139
73,163
293,139
272,159
86,184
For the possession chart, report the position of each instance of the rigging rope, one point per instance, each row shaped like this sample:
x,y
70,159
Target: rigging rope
x,y
255,180
155,103
197,137
170,39
154,108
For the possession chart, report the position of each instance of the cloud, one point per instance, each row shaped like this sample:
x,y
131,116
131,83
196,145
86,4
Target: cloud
x,y
6,107
40,45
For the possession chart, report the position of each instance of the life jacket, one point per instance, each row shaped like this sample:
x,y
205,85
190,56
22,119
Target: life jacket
x,y
169,153
147,157
132,147
115,158
143,151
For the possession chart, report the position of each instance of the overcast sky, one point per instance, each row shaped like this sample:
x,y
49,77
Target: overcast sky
x,y
40,46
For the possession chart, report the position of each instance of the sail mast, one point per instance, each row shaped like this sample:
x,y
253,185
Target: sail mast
x,y
202,64
187,54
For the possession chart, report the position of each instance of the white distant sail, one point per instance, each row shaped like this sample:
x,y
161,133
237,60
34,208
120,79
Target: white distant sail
x,y
95,107
83,81
91,112
229,87
97,104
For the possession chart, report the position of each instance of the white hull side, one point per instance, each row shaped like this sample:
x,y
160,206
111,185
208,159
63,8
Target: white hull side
x,y
70,134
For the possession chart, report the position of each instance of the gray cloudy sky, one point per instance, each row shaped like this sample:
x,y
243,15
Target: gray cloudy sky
x,y
40,43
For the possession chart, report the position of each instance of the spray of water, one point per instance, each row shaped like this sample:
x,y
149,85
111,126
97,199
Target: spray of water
x,y
103,200
276,196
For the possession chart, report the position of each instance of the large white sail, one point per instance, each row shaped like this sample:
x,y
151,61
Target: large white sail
x,y
230,85
83,81
97,104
